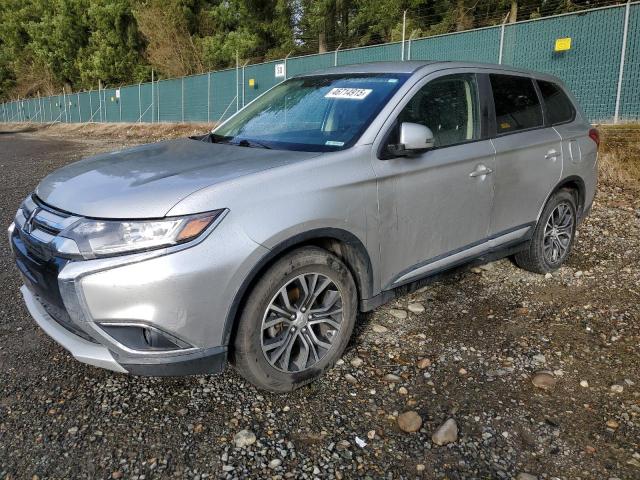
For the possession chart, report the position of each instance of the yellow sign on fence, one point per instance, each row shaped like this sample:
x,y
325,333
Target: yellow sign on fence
x,y
563,44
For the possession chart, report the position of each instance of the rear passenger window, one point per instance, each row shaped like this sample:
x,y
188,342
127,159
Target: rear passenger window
x,y
517,103
558,107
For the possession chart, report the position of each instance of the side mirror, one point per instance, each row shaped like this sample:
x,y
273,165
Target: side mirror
x,y
414,138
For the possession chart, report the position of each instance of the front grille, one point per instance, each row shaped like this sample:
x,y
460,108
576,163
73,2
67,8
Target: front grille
x,y
63,319
37,225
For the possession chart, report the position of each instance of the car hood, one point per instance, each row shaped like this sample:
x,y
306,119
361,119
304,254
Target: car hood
x,y
146,181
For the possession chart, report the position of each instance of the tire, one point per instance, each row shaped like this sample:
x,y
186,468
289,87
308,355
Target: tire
x,y
285,281
538,257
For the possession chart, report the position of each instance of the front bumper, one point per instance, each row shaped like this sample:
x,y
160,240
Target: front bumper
x,y
82,350
205,361
184,293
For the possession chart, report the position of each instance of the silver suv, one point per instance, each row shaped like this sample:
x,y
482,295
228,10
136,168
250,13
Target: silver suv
x,y
327,196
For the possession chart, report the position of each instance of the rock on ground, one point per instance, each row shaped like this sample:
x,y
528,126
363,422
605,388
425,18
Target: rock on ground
x,y
244,438
446,433
409,421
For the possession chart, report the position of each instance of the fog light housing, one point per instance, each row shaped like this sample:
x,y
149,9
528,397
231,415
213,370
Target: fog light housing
x,y
143,337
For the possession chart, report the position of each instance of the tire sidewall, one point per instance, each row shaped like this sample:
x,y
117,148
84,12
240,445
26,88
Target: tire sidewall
x,y
561,196
248,342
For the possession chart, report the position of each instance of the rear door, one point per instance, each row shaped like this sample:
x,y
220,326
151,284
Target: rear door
x,y
579,151
437,203
528,153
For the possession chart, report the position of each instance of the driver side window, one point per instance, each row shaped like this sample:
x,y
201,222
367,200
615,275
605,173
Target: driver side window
x,y
449,106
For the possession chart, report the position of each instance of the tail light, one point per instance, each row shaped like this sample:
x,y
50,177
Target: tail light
x,y
594,135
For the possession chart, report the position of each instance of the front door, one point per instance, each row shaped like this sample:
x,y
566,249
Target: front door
x,y
438,203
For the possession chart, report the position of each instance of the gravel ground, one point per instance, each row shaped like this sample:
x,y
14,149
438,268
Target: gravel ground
x,y
467,348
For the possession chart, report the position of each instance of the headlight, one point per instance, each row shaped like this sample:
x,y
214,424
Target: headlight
x,y
99,238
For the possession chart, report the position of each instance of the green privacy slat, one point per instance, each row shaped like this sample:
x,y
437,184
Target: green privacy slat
x,y
630,93
475,46
379,53
264,77
589,68
169,101
110,105
85,113
128,103
195,98
146,107
72,108
223,92
310,63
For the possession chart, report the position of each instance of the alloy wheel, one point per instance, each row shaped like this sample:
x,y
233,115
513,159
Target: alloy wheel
x,y
301,323
558,233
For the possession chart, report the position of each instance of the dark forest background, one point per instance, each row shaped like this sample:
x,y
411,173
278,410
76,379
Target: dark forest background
x,y
48,45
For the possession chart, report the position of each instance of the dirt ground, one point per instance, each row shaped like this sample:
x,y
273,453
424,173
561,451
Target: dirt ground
x,y
466,348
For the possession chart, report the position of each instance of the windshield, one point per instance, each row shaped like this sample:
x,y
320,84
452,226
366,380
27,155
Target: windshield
x,y
318,114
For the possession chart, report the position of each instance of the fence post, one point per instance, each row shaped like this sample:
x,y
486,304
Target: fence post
x,y
50,110
139,105
623,53
208,97
404,27
64,101
182,98
285,64
79,112
237,80
119,99
409,44
100,99
158,103
244,65
501,43
153,107
335,56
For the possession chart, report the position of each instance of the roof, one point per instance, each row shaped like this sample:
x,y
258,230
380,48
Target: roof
x,y
412,66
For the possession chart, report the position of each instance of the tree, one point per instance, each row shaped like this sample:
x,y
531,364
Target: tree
x,y
165,26
112,53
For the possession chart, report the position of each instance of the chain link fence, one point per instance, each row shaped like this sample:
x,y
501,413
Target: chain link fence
x,y
601,67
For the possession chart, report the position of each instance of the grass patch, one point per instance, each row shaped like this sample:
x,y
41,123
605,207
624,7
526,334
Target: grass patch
x,y
620,155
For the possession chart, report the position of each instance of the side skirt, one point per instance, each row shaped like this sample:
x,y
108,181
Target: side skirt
x,y
366,305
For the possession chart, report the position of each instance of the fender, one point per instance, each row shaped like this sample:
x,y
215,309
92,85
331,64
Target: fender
x,y
573,181
350,249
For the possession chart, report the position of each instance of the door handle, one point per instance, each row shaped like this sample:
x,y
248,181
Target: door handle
x,y
552,154
481,171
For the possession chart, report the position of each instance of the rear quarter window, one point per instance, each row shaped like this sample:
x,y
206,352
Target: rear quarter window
x,y
558,107
516,102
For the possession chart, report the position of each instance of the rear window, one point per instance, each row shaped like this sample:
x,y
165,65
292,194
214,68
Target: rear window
x,y
517,104
558,107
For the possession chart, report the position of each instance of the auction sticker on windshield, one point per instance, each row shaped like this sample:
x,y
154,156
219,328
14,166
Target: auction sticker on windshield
x,y
348,93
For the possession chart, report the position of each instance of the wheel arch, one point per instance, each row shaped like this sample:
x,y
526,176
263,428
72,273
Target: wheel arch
x,y
345,245
575,184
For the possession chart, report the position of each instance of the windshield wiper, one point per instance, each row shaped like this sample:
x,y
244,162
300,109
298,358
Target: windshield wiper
x,y
252,143
215,138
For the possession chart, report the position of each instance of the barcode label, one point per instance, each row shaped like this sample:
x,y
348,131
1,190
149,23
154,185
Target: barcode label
x,y
349,93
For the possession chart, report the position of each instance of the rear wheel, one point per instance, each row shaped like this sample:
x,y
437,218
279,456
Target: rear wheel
x,y
553,237
296,321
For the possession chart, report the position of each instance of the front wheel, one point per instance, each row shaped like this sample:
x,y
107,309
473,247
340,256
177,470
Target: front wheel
x,y
553,237
296,321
